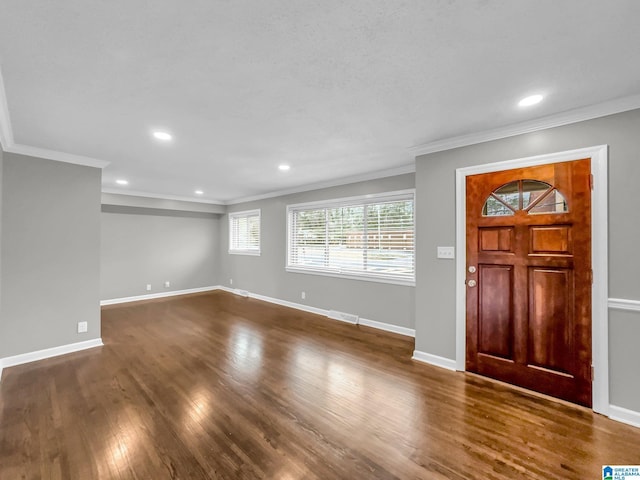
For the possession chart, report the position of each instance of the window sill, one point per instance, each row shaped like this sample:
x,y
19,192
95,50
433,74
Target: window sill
x,y
252,253
351,276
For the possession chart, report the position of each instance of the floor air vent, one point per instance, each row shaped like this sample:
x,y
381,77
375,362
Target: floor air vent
x,y
343,317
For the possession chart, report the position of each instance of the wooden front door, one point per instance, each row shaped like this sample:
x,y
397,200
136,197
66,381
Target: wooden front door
x,y
529,278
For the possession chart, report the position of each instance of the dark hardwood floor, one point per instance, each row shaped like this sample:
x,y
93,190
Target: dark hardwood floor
x,y
215,386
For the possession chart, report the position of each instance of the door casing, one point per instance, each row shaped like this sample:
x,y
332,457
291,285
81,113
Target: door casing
x,y
599,253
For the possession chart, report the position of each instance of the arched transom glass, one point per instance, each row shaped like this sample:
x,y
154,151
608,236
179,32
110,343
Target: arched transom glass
x,y
532,196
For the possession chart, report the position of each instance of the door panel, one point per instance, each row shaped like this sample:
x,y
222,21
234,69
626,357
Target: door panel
x,y
529,293
551,240
496,335
551,319
496,239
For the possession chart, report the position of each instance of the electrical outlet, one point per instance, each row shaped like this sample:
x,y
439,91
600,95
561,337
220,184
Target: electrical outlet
x,y
231,281
148,287
167,284
304,295
82,327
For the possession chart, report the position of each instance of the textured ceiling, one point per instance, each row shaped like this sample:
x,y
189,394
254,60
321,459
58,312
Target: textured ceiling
x,y
333,88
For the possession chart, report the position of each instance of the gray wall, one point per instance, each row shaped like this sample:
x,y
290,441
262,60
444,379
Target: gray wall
x,y
117,199
1,331
143,246
435,184
50,254
266,275
624,332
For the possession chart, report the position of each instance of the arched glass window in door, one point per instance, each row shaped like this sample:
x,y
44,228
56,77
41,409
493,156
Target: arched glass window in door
x,y
532,196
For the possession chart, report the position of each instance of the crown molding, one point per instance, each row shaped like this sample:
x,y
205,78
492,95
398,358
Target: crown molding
x,y
56,156
411,168
390,172
576,115
160,196
9,146
610,107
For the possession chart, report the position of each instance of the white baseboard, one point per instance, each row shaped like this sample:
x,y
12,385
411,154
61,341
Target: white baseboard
x,y
624,415
151,296
48,353
434,360
388,327
285,303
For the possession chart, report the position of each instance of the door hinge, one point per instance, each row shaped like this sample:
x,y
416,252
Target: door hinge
x,y
591,276
593,373
591,181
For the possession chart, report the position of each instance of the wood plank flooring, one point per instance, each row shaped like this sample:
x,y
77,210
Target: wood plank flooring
x,y
215,386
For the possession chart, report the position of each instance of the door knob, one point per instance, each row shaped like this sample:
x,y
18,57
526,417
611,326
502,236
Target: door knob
x,y
472,269
471,283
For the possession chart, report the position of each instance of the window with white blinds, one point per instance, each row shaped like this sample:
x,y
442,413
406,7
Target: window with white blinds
x,y
371,237
244,232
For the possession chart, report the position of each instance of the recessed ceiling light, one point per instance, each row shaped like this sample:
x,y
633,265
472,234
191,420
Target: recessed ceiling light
x,y
530,100
199,192
162,135
284,168
122,182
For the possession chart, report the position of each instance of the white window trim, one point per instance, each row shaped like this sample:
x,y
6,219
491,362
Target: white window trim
x,y
245,213
353,276
370,198
373,198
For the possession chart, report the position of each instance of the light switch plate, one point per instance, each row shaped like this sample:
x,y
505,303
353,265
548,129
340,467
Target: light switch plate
x,y
448,253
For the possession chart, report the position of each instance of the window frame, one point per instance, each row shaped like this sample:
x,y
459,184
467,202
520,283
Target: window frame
x,y
245,214
355,201
530,208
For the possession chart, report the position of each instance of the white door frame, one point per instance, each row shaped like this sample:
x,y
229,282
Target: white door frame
x,y
599,255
